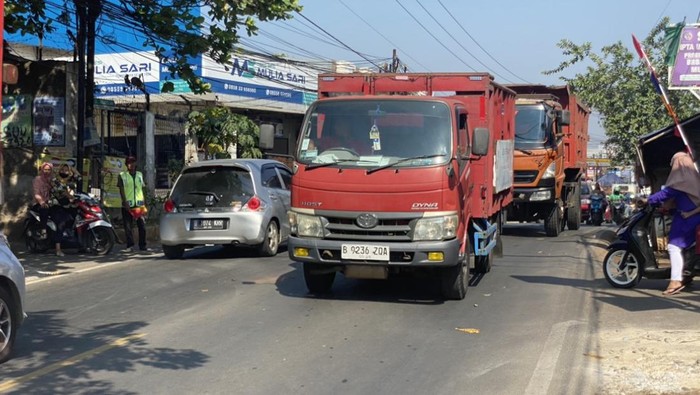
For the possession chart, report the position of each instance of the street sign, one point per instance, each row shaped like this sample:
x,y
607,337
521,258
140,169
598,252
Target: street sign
x,y
104,104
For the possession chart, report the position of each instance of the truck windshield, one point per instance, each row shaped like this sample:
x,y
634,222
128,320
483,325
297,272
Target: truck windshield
x,y
371,133
532,128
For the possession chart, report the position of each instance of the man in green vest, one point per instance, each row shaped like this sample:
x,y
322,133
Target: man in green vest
x,y
130,185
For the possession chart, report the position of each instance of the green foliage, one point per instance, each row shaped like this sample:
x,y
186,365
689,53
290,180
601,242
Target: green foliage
x,y
217,128
616,84
168,26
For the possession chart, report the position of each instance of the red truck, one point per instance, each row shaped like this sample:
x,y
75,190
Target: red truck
x,y
551,140
402,172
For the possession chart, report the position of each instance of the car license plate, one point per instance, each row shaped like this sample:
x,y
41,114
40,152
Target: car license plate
x,y
364,252
206,224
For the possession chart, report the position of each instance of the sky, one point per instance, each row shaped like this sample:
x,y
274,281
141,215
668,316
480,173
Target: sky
x,y
515,40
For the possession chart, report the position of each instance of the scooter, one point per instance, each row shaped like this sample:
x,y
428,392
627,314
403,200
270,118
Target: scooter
x,y
597,202
631,256
89,230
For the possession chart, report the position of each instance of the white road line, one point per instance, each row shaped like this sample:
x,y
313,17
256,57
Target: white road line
x,y
544,371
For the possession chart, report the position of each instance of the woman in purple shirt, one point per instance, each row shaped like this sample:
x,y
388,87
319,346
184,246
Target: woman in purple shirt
x,y
683,186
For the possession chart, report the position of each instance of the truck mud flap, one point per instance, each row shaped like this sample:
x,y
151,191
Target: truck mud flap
x,y
483,240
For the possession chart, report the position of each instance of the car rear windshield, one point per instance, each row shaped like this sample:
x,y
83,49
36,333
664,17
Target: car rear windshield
x,y
213,186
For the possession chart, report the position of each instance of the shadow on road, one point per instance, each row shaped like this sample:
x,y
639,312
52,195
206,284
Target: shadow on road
x,y
68,361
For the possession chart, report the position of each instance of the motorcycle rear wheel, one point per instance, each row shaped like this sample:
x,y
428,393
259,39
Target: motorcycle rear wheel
x,y
33,242
100,240
622,274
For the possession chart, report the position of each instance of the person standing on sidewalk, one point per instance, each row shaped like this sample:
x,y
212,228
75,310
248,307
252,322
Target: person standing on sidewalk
x,y
130,185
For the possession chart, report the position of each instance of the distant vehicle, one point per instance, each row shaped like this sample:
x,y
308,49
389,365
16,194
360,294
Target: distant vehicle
x,y
234,202
12,291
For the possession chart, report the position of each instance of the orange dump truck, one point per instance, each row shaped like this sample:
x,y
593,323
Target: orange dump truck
x,y
551,138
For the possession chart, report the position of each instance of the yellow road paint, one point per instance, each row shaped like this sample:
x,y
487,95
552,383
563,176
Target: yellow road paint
x,y
10,384
468,330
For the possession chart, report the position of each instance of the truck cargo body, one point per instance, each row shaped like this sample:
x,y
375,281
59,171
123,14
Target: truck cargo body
x,y
386,180
551,141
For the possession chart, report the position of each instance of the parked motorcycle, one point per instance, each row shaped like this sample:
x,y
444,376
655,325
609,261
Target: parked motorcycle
x,y
631,256
89,230
597,208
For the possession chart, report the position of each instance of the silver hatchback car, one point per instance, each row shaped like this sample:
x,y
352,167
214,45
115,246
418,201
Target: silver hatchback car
x,y
227,202
12,291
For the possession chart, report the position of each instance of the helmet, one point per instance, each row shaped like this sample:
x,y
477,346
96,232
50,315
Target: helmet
x,y
616,190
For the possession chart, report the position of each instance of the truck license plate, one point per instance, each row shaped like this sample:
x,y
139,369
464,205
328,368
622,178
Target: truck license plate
x,y
364,252
204,224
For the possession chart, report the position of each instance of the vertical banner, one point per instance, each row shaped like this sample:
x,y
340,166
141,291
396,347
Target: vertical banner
x,y
17,121
49,121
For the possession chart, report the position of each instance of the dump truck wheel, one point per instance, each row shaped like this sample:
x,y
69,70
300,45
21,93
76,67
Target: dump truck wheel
x,y
552,224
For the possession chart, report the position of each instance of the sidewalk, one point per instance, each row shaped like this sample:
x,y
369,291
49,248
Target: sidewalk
x,y
42,265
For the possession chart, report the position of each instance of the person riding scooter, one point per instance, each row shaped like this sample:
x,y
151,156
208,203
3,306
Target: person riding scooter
x,y
617,205
683,187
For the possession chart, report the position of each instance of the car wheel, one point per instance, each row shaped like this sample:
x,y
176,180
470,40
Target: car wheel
x,y
271,243
173,252
8,325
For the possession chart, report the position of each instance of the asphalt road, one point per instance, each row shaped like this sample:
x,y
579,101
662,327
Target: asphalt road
x,y
230,322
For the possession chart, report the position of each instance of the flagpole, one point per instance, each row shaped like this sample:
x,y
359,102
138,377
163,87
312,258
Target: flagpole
x,y
664,97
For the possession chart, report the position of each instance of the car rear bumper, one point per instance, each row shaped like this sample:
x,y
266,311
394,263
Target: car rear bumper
x,y
240,228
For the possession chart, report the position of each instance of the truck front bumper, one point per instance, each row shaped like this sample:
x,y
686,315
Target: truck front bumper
x,y
414,254
534,195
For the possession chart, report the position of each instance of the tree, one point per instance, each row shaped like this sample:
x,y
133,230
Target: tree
x,y
218,128
617,85
169,27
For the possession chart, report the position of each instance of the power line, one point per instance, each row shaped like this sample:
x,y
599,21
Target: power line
x,y
336,39
383,36
433,36
457,41
477,43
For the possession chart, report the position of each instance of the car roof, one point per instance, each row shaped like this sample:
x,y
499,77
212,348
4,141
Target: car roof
x,y
240,162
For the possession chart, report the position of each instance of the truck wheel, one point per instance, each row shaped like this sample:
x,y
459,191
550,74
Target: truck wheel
x,y
454,280
573,213
317,282
8,325
552,224
173,252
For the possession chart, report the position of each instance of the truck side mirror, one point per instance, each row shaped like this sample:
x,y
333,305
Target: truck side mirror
x,y
564,117
480,142
267,136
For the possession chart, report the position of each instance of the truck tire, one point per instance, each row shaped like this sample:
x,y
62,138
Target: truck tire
x,y
454,280
573,213
317,283
552,224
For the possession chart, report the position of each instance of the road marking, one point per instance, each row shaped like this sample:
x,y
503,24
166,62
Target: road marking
x,y
35,280
10,384
544,371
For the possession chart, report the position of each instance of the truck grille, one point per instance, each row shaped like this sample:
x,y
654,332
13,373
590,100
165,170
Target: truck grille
x,y
524,176
393,227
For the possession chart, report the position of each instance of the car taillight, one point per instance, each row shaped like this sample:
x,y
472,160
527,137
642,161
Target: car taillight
x,y
253,204
169,206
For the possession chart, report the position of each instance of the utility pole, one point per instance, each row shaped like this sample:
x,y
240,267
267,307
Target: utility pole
x,y
82,33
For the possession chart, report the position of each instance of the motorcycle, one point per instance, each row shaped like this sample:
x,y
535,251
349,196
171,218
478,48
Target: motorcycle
x,y
597,203
90,229
618,211
631,256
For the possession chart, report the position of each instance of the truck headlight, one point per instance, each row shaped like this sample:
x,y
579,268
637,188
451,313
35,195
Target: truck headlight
x,y
305,225
435,228
551,171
